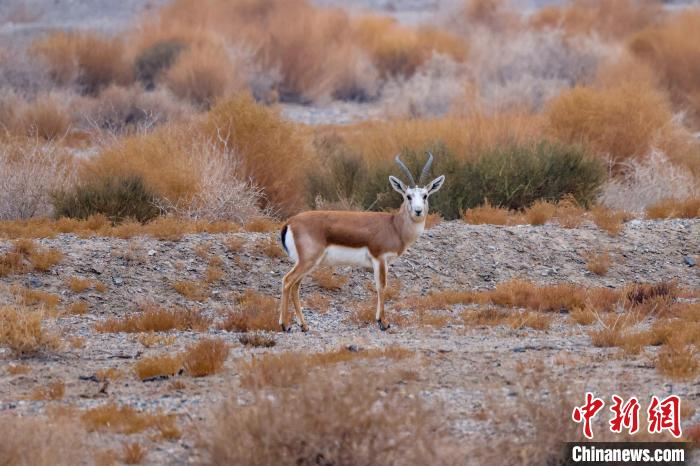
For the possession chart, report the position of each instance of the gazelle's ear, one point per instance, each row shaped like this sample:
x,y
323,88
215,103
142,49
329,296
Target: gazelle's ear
x,y
397,184
435,185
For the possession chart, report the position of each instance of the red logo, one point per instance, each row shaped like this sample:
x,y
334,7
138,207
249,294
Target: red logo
x,y
625,416
587,412
665,415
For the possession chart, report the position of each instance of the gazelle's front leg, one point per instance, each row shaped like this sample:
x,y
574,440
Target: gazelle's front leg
x,y
380,283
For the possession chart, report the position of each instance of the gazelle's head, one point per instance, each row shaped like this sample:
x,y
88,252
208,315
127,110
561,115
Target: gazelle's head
x,y
415,197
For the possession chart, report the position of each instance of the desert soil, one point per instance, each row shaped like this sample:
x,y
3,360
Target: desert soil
x,y
460,366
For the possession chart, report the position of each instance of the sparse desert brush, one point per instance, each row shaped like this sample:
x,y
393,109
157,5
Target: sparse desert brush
x,y
153,339
529,319
328,280
678,361
583,315
90,61
46,117
443,299
607,219
613,330
488,316
650,298
41,441
27,256
613,19
554,298
193,290
487,214
257,340
670,48
78,285
270,246
133,453
109,374
234,244
433,220
365,410
569,213
318,302
52,391
254,311
100,287
398,50
111,417
674,208
290,368
261,225
156,366
22,332
363,312
154,318
18,369
213,273
540,212
206,357
202,75
30,297
598,263
79,307
259,135
600,119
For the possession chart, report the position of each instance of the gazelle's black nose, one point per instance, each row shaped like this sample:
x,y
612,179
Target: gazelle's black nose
x,y
418,212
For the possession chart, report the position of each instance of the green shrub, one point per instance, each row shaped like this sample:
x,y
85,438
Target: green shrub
x,y
513,177
117,199
156,59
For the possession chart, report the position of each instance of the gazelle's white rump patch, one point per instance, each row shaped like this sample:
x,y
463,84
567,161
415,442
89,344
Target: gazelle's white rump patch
x,y
343,255
290,244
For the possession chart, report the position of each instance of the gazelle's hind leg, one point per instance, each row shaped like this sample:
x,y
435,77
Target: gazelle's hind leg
x,y
379,266
297,305
291,281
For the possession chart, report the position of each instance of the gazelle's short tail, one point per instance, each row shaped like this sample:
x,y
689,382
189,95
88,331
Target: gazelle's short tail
x,y
287,237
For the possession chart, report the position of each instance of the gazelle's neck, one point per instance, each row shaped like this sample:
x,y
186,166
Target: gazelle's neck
x,y
408,229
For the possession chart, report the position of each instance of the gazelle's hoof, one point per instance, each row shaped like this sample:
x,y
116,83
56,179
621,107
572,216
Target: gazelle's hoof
x,y
285,328
382,326
304,328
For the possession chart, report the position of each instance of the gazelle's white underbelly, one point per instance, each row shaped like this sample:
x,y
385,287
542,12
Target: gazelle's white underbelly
x,y
342,255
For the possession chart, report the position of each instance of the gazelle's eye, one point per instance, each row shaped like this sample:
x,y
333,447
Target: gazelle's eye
x,y
425,196
409,197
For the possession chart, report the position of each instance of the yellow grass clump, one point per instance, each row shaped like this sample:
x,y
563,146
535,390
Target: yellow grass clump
x,y
206,357
22,331
154,318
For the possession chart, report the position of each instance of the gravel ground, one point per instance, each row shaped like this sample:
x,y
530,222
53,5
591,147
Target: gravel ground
x,y
459,365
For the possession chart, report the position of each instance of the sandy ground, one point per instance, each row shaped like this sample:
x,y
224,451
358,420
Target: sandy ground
x,y
459,365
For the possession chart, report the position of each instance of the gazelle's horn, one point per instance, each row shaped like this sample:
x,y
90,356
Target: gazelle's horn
x,y
405,170
426,168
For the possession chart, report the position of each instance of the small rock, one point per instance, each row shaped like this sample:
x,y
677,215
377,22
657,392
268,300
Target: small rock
x,y
35,282
119,281
689,261
353,348
151,252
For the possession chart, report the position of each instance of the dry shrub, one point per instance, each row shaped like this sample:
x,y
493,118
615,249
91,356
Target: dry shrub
x,y
23,333
569,214
152,339
270,246
533,320
608,220
397,50
259,135
193,290
287,369
328,280
30,170
53,391
318,302
674,208
261,225
40,441
111,417
583,315
254,312
100,287
612,19
78,285
678,361
78,308
77,342
379,423
363,312
554,298
487,214
671,50
46,117
86,59
206,357
26,256
213,273
645,182
157,366
598,263
540,212
154,318
109,374
612,331
133,453
28,297
203,75
257,340
489,316
18,369
600,119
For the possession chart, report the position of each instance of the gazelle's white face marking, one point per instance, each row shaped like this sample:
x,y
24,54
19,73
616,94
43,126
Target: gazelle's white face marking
x,y
416,198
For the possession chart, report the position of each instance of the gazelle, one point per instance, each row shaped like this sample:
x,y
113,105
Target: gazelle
x,y
367,239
